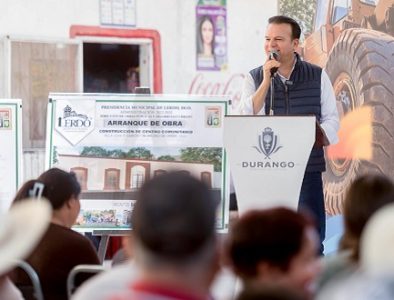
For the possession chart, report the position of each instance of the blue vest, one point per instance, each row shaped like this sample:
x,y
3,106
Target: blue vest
x,y
299,96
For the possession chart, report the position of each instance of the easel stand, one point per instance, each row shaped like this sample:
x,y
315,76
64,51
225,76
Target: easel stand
x,y
105,235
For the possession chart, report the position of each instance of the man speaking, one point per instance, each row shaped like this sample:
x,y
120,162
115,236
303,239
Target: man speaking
x,y
296,88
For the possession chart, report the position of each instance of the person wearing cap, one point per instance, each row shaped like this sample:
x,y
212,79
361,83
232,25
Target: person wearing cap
x,y
300,88
20,231
173,240
61,248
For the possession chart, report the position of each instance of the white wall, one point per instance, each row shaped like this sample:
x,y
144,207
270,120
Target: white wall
x,y
174,19
46,18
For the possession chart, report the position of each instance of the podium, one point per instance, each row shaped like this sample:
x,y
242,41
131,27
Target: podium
x,y
267,157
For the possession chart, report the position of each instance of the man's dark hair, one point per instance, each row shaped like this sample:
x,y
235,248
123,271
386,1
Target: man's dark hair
x,y
274,236
174,216
295,28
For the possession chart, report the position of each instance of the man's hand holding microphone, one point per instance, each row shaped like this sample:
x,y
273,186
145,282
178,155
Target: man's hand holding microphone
x,y
269,69
272,64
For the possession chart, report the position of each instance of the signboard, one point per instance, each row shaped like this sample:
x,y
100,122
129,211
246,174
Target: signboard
x,y
114,143
10,150
118,13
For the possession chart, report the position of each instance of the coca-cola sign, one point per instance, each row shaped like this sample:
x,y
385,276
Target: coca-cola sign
x,y
231,87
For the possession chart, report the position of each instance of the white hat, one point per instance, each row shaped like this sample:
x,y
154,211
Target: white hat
x,y
21,228
377,242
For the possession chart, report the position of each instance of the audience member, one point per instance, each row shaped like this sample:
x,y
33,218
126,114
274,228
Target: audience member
x,y
275,246
173,240
365,196
375,277
21,229
121,275
61,248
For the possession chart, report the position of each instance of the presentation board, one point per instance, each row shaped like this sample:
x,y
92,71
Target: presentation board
x,y
10,150
115,143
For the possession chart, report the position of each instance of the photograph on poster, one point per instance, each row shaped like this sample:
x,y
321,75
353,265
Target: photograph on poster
x,y
211,38
109,173
205,42
105,214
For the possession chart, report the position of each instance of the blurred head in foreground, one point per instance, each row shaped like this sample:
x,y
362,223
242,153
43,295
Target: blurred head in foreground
x,y
275,246
365,196
174,236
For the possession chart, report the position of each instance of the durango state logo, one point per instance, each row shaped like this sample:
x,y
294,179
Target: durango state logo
x,y
267,143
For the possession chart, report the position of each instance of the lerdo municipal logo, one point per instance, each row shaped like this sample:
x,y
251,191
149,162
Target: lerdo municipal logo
x,y
74,119
71,119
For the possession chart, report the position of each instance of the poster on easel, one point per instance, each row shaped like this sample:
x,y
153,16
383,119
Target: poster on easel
x,y
115,143
10,150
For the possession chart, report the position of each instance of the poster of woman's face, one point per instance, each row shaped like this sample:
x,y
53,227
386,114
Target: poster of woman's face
x,y
207,36
211,39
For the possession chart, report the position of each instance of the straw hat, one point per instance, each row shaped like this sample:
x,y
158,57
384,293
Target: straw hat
x,y
21,228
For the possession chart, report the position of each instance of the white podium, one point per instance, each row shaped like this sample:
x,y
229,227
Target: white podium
x,y
267,157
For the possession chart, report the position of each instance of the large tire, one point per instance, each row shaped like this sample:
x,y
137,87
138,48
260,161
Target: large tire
x,y
361,69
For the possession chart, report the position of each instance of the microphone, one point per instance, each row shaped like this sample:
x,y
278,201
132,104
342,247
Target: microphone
x,y
273,55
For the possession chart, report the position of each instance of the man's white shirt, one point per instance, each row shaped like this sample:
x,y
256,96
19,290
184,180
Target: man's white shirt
x,y
329,114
